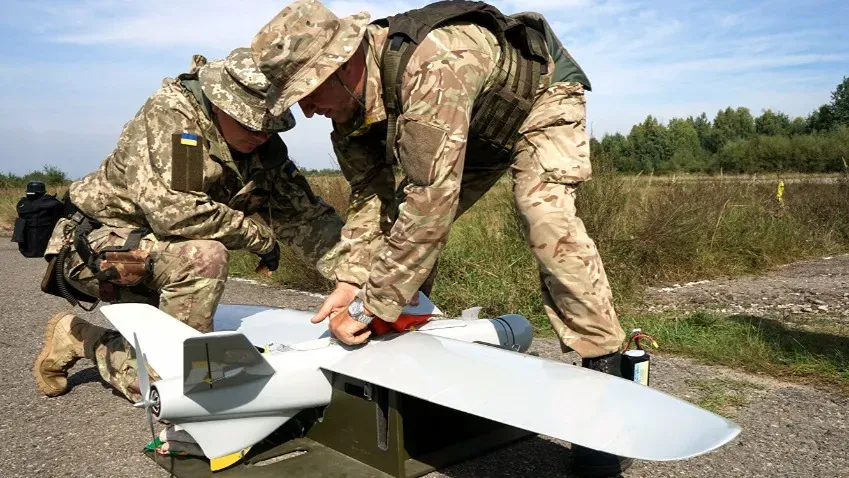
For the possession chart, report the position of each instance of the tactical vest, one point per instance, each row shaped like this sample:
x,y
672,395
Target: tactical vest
x,y
498,112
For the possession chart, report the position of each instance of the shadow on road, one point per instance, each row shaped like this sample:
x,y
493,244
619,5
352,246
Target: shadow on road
x,y
88,375
530,458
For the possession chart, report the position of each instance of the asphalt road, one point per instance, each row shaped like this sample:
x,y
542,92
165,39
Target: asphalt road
x,y
788,430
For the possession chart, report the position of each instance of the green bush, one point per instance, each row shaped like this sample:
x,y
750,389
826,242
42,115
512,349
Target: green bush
x,y
50,175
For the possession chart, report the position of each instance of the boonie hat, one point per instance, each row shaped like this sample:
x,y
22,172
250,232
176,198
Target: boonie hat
x,y
239,88
301,47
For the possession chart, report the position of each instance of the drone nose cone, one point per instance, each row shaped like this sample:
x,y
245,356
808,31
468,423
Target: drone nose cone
x,y
520,329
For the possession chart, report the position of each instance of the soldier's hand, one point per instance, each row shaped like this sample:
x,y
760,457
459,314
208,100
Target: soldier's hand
x,y
348,330
338,299
269,261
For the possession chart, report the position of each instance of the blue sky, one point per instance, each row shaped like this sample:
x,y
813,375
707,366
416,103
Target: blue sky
x,y
72,73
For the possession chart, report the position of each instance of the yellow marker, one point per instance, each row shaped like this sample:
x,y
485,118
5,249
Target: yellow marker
x,y
222,462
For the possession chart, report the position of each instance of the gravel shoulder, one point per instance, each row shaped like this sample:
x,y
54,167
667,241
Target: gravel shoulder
x,y
788,430
807,289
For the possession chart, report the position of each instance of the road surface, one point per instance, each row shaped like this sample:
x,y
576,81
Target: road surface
x,y
788,430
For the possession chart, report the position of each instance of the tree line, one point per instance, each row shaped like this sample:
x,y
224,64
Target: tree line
x,y
735,142
49,175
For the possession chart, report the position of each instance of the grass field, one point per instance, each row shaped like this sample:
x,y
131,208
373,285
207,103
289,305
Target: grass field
x,y
812,355
660,231
648,232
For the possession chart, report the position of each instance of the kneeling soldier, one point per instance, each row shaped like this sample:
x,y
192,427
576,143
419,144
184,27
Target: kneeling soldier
x,y
190,173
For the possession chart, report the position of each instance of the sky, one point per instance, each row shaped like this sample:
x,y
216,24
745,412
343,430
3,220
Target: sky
x,y
72,73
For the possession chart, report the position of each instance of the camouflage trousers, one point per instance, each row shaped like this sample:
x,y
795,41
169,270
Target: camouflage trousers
x,y
549,163
575,291
187,282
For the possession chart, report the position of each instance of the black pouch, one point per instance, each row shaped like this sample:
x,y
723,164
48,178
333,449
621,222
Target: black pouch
x,y
35,222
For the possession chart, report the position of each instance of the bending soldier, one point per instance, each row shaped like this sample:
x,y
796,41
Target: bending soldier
x,y
199,171
458,94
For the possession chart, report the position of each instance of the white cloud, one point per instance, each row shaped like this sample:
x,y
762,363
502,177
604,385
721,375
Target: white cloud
x,y
216,24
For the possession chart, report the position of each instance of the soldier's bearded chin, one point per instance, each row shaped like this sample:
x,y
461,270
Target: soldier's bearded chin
x,y
331,100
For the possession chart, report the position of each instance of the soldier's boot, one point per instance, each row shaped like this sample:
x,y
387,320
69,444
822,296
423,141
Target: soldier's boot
x,y
66,340
593,463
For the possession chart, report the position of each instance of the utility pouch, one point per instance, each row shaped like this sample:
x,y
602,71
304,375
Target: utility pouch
x,y
124,268
51,284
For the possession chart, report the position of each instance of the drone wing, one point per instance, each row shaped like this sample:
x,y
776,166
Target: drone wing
x,y
552,398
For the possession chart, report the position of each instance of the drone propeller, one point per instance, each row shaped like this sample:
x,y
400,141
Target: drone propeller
x,y
144,384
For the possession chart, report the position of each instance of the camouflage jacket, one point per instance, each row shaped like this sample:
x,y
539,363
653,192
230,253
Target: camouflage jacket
x,y
138,186
390,257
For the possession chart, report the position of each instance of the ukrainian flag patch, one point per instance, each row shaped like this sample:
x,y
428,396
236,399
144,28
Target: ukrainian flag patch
x,y
189,139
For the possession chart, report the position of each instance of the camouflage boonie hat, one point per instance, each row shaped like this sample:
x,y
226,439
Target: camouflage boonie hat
x,y
237,87
301,47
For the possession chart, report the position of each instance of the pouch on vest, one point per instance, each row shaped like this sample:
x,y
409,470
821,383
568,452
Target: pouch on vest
x,y
35,222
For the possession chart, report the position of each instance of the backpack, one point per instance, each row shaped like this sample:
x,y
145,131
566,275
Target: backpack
x,y
38,214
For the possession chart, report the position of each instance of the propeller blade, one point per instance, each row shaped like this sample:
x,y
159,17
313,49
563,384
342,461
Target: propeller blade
x,y
144,385
144,380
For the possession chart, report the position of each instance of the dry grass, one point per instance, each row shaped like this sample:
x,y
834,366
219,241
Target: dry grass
x,y
334,190
648,232
722,395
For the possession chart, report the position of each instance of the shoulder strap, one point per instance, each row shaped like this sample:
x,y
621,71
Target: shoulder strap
x,y
565,66
391,71
192,84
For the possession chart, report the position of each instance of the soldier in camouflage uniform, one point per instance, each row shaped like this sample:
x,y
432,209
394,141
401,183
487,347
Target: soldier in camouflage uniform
x,y
201,168
333,67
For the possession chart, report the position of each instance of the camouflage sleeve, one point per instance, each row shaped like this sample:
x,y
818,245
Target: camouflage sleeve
x,y
371,208
183,213
431,144
299,218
